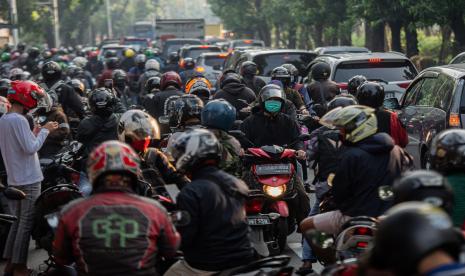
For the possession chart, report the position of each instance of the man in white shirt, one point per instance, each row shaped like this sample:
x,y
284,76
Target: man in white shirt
x,y
19,146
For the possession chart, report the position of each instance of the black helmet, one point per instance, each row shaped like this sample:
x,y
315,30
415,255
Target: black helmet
x,y
320,71
110,54
230,77
187,107
74,71
342,101
370,94
410,232
152,83
447,151
112,63
249,68
189,63
51,71
282,74
5,85
354,83
101,102
119,77
293,71
426,186
33,52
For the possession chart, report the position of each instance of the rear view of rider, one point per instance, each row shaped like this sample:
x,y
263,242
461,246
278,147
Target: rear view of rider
x,y
217,236
139,130
114,231
170,86
447,155
372,94
321,90
121,87
234,91
199,87
152,69
249,71
354,83
189,70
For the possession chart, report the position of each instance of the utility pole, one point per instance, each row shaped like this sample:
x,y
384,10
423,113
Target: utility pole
x,y
56,23
14,21
109,24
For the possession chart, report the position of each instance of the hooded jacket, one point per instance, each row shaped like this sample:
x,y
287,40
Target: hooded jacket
x,y
364,167
237,94
94,130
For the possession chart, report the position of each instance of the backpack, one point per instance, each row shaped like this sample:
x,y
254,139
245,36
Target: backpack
x,y
52,91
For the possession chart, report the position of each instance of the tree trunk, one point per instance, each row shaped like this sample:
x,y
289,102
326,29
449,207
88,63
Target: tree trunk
x,y
412,39
378,37
444,51
292,37
277,35
395,27
458,27
264,31
318,38
368,35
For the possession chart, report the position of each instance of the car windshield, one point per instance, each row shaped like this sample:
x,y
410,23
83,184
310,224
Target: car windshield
x,y
119,51
248,43
266,63
214,61
386,71
174,46
196,52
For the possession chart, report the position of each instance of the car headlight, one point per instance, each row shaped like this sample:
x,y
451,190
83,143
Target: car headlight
x,y
274,191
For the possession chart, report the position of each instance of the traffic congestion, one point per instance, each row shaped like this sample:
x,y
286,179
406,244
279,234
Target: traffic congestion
x,y
165,152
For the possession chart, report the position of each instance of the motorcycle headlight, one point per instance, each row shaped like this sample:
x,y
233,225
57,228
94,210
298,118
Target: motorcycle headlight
x,y
274,191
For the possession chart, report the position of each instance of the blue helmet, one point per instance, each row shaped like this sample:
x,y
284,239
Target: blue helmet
x,y
219,114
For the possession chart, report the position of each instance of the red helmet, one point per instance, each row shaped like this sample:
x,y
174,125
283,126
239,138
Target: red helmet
x,y
170,78
4,105
26,93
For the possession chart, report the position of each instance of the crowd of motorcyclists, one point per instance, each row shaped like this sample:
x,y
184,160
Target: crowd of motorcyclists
x,y
143,127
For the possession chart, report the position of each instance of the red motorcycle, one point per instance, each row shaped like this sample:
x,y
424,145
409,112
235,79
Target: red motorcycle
x,y
272,178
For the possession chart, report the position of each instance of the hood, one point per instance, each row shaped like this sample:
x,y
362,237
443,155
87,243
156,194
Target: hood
x,y
234,88
107,122
378,143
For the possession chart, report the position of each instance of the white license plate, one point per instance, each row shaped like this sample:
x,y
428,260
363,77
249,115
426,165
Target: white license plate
x,y
254,221
270,169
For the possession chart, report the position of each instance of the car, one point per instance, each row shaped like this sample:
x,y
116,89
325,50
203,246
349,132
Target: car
x,y
211,65
393,70
233,57
107,42
434,101
460,58
233,44
119,49
340,50
269,59
174,44
136,43
194,51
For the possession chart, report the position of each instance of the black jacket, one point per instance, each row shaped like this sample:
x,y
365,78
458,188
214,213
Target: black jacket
x,y
156,166
363,168
159,100
279,130
254,83
237,94
217,235
68,98
94,130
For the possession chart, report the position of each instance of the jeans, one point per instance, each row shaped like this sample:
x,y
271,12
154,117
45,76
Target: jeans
x,y
307,254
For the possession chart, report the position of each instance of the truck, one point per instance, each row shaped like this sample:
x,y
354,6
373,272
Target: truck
x,y
179,28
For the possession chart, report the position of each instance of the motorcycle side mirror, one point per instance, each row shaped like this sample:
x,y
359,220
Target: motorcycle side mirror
x,y
386,193
391,103
14,194
180,218
304,137
165,120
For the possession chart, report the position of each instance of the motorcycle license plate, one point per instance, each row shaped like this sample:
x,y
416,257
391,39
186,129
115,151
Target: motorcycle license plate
x,y
255,221
270,169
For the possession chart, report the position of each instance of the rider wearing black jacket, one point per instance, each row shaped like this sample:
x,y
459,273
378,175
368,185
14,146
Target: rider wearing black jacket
x,y
249,72
235,92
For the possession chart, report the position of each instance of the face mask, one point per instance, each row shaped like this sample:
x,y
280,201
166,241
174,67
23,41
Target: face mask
x,y
273,106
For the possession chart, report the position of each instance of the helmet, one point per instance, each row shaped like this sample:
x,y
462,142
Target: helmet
x,y
33,52
229,78
4,105
101,102
112,63
426,186
191,148
47,54
119,77
138,129
271,92
5,84
341,101
26,93
80,62
5,57
140,59
219,114
152,83
110,54
112,157
199,87
73,71
356,122
409,232
282,74
45,103
149,53
194,80
51,71
293,71
320,71
354,83
447,151
16,74
152,64
129,53
370,94
187,107
188,63
170,78
78,86
249,68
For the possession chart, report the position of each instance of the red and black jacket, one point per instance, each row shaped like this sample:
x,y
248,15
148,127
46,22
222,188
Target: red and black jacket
x,y
389,123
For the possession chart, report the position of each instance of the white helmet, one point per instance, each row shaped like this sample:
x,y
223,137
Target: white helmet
x,y
80,62
152,64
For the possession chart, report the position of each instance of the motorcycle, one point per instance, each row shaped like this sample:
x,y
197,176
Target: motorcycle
x,y
272,176
277,265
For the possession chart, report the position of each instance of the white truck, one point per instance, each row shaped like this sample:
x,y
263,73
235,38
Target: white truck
x,y
179,28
